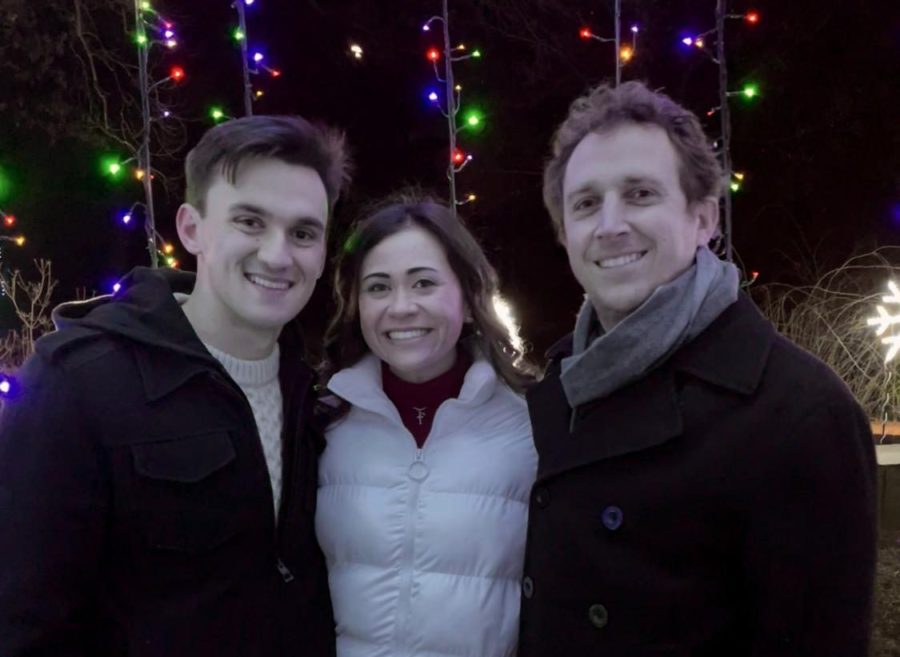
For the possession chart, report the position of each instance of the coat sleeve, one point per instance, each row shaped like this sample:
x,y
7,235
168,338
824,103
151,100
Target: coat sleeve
x,y
811,537
52,513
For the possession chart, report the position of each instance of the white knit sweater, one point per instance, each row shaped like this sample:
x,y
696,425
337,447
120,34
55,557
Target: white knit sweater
x,y
258,379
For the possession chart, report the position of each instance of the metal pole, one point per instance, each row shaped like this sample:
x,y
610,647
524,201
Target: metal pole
x,y
618,42
725,116
452,109
144,151
245,62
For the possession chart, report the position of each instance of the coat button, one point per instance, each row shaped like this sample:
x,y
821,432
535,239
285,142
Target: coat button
x,y
598,616
612,518
542,497
528,587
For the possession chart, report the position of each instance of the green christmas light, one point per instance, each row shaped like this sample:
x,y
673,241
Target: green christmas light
x,y
476,54
146,6
474,119
238,34
141,39
735,186
750,91
216,113
111,166
5,186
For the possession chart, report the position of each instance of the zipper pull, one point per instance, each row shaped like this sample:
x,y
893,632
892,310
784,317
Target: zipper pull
x,y
418,469
285,573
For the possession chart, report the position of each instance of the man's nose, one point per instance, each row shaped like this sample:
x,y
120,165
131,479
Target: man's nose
x,y
610,218
274,251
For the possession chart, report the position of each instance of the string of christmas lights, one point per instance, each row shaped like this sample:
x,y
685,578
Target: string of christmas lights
x,y
151,29
251,64
749,92
623,53
9,221
451,103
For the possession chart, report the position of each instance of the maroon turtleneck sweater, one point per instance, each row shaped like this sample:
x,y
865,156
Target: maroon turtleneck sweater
x,y
418,402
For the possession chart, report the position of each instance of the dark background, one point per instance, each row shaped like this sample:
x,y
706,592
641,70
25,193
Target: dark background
x,y
819,147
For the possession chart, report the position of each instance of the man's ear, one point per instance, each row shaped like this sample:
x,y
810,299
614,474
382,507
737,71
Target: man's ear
x,y
706,212
187,222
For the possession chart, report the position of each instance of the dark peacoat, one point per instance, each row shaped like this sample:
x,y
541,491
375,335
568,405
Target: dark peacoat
x,y
136,513
723,505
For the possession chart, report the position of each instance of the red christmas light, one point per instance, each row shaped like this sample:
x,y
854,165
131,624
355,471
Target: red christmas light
x,y
275,73
176,73
752,17
9,220
433,54
458,156
585,33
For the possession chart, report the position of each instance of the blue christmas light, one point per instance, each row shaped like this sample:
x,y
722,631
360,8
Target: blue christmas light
x,y
9,387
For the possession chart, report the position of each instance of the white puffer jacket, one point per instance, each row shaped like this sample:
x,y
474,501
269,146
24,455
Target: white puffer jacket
x,y
425,546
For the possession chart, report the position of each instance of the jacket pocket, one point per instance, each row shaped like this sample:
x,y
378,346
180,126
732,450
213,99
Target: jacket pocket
x,y
185,460
186,492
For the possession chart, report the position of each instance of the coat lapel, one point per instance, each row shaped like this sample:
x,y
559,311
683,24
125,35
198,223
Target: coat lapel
x,y
641,415
730,354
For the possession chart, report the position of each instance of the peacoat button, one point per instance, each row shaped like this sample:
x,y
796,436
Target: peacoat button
x,y
598,616
527,587
542,497
612,518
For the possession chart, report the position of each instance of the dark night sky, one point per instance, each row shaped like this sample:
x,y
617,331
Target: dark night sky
x,y
820,148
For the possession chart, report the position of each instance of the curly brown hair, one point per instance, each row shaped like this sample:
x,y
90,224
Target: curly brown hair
x,y
603,108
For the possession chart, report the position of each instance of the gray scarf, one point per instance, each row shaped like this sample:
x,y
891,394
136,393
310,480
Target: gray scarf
x,y
674,314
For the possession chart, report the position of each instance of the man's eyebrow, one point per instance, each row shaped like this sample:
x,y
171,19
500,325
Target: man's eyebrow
x,y
309,222
587,187
636,180
249,207
306,221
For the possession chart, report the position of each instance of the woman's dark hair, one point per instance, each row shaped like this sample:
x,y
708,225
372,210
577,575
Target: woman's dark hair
x,y
344,343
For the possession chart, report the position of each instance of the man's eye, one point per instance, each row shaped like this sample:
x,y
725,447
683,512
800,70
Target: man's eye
x,y
247,221
584,204
641,194
305,235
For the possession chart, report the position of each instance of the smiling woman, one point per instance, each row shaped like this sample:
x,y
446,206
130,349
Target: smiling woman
x,y
428,467
411,307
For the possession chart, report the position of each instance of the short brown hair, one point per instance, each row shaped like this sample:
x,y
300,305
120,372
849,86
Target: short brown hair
x,y
603,108
291,139
344,342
